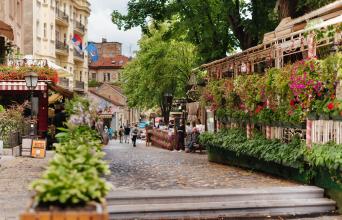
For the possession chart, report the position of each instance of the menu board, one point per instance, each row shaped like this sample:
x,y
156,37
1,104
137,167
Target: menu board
x,y
38,148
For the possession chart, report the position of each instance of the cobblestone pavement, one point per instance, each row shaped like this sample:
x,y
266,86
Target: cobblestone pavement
x,y
157,169
15,176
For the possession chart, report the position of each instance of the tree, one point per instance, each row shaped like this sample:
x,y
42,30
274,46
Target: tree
x,y
161,67
215,26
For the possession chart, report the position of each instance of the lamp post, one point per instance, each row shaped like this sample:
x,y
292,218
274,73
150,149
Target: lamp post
x,y
31,80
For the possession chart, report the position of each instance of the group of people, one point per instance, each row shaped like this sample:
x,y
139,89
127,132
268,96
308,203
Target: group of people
x,y
126,132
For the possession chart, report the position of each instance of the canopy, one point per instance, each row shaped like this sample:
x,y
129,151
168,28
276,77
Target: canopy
x,y
60,70
6,30
54,98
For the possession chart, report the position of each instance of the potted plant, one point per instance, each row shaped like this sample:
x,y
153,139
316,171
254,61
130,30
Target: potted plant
x,y
72,186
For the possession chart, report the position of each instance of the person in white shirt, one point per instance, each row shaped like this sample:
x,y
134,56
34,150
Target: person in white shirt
x,y
200,127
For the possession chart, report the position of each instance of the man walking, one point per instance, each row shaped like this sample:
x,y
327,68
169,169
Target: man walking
x,y
127,132
135,132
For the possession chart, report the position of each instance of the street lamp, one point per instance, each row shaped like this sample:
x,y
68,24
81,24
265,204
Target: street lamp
x,y
31,80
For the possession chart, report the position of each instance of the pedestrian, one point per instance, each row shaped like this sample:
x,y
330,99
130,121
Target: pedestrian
x,y
193,138
110,133
200,127
121,132
180,132
127,133
135,132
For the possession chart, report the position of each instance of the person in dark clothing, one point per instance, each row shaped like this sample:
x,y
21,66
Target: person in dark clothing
x,y
127,132
181,136
59,119
135,132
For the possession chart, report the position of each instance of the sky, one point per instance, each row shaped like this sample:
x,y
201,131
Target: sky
x,y
101,26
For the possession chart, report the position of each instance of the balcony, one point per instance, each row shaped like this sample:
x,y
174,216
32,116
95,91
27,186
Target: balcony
x,y
79,86
78,56
62,18
62,48
64,82
79,28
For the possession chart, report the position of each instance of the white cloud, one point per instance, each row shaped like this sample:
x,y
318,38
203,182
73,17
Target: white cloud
x,y
101,26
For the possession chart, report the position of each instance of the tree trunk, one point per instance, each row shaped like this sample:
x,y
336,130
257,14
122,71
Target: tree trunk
x,y
165,107
286,8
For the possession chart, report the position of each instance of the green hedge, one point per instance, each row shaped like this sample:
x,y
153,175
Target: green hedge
x,y
321,166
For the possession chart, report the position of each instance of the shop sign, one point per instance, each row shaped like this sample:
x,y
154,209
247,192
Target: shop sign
x,y
38,148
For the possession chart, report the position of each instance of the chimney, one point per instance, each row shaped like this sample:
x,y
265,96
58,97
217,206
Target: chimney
x,y
104,40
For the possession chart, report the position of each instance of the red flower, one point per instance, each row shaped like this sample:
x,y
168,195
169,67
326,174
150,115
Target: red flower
x,y
330,106
258,109
292,102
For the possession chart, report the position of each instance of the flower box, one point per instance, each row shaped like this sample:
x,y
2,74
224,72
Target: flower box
x,y
93,211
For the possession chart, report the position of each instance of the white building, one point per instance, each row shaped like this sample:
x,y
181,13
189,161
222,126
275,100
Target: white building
x,y
49,27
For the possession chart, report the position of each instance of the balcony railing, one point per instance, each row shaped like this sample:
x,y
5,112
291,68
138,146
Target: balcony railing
x,y
62,15
62,46
79,26
78,55
79,85
64,82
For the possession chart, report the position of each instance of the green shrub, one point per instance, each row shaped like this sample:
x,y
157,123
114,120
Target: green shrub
x,y
73,177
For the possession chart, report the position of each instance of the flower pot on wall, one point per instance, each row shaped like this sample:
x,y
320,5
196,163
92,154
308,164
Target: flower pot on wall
x,y
324,117
312,116
94,211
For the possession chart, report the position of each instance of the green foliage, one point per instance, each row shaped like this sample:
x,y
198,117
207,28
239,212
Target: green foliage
x,y
161,66
294,154
73,176
76,105
328,155
11,120
216,27
268,150
94,83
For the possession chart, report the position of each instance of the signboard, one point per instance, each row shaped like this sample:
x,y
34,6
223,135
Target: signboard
x,y
38,148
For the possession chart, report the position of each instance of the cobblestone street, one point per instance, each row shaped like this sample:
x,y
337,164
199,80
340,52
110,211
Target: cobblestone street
x,y
15,176
153,168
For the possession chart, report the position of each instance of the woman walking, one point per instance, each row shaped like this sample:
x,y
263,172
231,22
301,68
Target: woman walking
x,y
121,132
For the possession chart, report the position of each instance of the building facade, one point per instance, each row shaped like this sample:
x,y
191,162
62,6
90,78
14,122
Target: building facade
x,y
49,27
112,106
107,69
110,62
11,27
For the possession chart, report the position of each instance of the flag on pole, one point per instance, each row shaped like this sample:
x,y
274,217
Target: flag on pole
x,y
77,42
92,50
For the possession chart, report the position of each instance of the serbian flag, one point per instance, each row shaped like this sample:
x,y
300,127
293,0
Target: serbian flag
x,y
77,42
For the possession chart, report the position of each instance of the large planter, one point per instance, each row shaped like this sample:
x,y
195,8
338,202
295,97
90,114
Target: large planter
x,y
99,213
323,178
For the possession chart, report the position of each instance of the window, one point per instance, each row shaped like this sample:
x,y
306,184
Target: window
x,y
64,39
108,77
51,3
80,18
93,76
37,28
70,11
51,31
64,8
81,76
57,36
45,31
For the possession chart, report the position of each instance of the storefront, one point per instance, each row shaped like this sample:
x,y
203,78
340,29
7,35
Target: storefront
x,y
16,92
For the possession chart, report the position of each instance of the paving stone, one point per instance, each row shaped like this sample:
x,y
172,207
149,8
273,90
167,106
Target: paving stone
x,y
153,168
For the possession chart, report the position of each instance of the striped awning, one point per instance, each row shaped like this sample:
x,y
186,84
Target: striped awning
x,y
20,85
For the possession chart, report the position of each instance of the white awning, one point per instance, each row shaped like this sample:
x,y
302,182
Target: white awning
x,y
20,85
